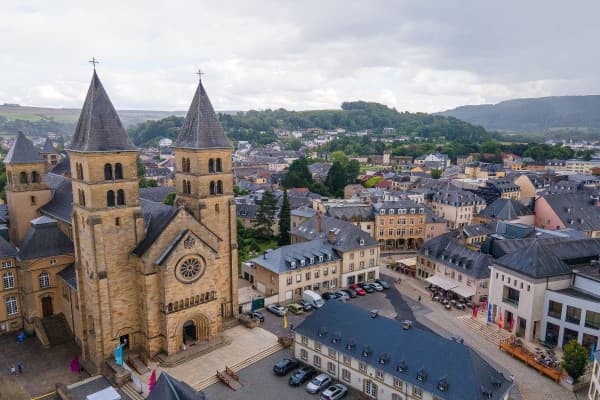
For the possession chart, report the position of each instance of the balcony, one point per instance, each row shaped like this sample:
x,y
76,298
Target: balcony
x,y
509,300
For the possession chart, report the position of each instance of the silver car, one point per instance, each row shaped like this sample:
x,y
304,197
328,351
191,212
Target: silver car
x,y
376,286
342,296
334,392
318,383
277,310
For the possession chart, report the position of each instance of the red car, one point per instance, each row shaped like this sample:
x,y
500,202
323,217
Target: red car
x,y
359,291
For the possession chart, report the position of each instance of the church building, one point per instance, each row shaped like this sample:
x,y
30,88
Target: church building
x,y
89,256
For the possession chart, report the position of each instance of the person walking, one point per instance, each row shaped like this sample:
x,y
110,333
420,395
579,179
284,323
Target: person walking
x,y
20,367
13,371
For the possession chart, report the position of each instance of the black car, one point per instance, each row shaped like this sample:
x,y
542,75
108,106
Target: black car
x,y
366,287
306,305
302,375
257,315
350,292
284,366
329,296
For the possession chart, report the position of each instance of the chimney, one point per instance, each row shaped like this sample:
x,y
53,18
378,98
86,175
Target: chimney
x,y
331,236
319,222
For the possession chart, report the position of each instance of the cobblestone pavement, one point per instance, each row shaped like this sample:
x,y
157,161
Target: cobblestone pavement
x,y
259,382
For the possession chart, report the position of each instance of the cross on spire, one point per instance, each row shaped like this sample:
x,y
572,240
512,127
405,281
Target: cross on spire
x,y
93,61
200,73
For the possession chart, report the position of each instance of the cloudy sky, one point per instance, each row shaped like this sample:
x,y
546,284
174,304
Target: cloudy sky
x,y
413,55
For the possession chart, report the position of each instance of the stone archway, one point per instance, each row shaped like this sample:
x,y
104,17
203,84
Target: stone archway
x,y
195,328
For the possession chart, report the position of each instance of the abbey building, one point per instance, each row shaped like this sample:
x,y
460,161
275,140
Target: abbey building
x,y
88,255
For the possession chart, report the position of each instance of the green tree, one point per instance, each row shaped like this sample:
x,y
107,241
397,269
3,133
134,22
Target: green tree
x,y
371,182
575,359
436,173
239,192
285,223
265,215
170,199
293,144
298,175
336,179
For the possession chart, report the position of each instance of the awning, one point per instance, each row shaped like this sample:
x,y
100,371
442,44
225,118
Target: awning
x,y
464,291
409,262
442,282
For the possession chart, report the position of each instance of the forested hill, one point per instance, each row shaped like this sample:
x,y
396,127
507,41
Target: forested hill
x,y
534,115
259,126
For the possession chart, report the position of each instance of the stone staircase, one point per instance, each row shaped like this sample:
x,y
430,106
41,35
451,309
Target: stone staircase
x,y
57,329
211,380
490,332
131,391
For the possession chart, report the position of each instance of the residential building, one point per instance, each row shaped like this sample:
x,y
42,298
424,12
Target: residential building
x,y
456,206
385,359
446,263
506,210
567,209
464,159
581,166
10,316
433,160
500,188
400,224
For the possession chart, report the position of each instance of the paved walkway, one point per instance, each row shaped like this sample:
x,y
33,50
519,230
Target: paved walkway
x,y
531,386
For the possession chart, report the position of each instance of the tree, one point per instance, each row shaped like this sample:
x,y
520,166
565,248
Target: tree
x,y
336,179
371,182
170,199
575,359
298,175
436,173
237,191
285,223
265,215
294,144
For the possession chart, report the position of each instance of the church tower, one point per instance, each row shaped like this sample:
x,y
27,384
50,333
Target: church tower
x,y
204,176
49,154
107,224
26,189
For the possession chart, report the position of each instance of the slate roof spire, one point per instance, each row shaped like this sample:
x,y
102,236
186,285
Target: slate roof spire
x,y
201,128
22,152
99,128
48,147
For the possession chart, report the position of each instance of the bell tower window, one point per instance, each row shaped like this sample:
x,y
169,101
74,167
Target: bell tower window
x,y
185,164
23,178
118,171
35,177
219,166
211,165
120,197
212,187
220,187
79,169
110,198
108,174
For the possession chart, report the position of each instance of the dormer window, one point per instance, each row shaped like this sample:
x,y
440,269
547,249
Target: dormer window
x,y
293,264
366,351
336,338
351,345
391,211
329,256
362,242
421,375
383,358
312,260
320,258
382,212
302,262
322,332
443,385
402,366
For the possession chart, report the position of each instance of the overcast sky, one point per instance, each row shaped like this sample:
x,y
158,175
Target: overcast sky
x,y
413,55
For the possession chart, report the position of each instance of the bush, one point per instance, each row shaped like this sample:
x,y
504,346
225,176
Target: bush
x,y
575,359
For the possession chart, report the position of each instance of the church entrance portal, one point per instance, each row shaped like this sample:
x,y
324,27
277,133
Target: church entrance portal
x,y
47,306
190,333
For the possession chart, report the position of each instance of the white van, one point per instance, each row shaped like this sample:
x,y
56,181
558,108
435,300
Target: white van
x,y
313,298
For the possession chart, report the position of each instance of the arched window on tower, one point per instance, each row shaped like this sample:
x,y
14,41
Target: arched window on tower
x,y
118,171
212,187
189,187
110,198
35,177
220,187
23,177
211,165
188,165
120,197
183,165
108,175
79,169
219,166
81,197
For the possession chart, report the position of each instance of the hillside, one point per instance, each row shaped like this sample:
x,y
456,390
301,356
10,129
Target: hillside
x,y
534,115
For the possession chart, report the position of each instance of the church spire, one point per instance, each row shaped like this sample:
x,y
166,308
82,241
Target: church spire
x,y
201,128
99,128
22,152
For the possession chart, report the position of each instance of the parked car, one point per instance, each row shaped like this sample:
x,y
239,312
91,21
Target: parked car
x,y
302,375
295,308
318,383
334,392
350,292
257,315
367,287
328,296
376,286
305,305
277,309
342,295
284,366
359,291
459,306
385,284
313,298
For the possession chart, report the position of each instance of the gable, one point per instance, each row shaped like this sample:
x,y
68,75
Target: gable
x,y
185,241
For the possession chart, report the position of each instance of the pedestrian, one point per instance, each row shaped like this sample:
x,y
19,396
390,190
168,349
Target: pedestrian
x,y
13,371
20,367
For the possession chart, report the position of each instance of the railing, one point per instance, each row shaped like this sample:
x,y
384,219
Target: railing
x,y
510,301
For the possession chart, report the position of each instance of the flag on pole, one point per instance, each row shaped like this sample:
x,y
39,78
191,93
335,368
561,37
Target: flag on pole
x,y
285,323
500,319
152,381
489,309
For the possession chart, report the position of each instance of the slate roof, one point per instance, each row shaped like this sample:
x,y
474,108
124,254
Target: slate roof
x,y
169,388
576,210
201,128
22,152
348,236
288,258
69,276
358,212
456,197
99,127
541,258
44,239
244,210
48,147
446,250
305,212
157,194
7,249
505,209
63,167
438,358
61,204
156,217
503,185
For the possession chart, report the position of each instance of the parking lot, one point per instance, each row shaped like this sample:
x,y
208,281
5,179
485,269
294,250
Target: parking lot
x,y
259,382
